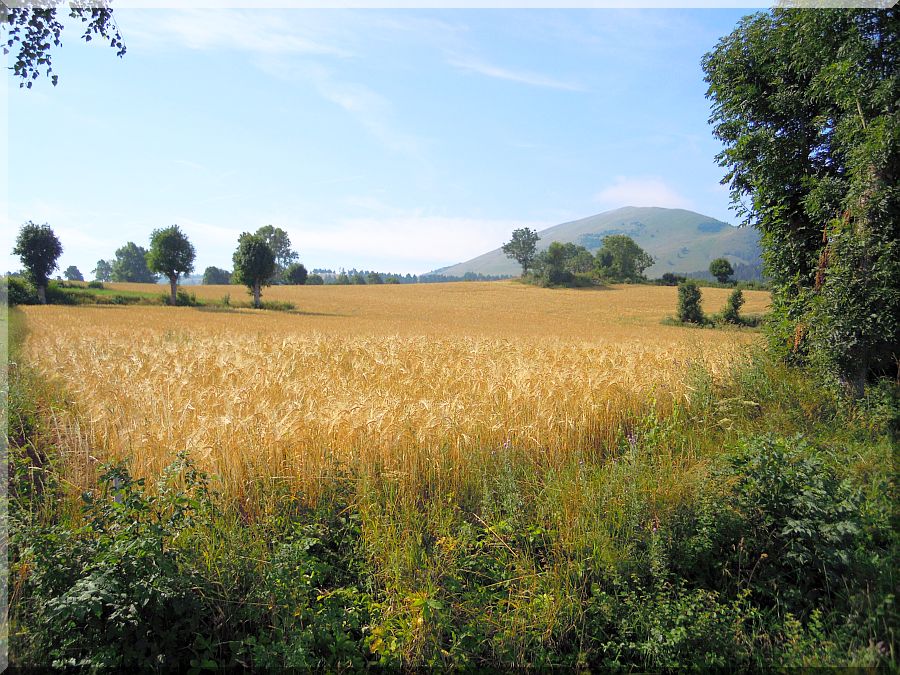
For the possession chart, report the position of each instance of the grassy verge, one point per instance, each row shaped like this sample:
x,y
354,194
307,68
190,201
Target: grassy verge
x,y
753,527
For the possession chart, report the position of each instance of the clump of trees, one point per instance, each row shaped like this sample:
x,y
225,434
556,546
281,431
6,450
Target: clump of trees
x,y
618,260
805,105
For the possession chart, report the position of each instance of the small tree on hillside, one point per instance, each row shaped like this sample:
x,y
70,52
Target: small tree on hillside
x,y
72,273
171,254
721,269
254,264
39,249
689,308
522,247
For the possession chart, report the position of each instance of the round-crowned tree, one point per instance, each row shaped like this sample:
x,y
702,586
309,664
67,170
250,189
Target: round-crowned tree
x,y
295,274
171,254
721,269
254,264
39,249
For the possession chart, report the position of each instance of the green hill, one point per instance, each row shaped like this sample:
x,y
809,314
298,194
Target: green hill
x,y
680,241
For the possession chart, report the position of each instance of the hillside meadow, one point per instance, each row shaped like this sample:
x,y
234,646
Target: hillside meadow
x,y
420,382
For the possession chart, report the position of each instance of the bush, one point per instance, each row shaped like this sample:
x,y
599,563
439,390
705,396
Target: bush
x,y
669,279
689,309
800,524
277,305
185,299
115,592
20,292
95,284
733,307
58,293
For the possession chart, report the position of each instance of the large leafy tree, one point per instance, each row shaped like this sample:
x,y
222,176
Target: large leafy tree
x,y
254,264
805,103
621,259
130,264
31,29
280,243
39,249
171,254
522,247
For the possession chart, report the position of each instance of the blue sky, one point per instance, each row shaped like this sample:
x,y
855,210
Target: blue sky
x,y
395,140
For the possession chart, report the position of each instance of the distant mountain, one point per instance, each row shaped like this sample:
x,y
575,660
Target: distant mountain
x,y
680,241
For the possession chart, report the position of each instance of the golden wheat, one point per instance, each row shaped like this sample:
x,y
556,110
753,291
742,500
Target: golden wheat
x,y
407,383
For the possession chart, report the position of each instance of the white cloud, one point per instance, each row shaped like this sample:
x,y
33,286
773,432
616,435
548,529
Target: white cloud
x,y
523,77
641,191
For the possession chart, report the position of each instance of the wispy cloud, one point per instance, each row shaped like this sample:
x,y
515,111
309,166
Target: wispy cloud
x,y
372,110
520,76
641,191
262,33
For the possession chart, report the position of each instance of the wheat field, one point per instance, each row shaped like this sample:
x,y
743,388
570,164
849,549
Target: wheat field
x,y
408,383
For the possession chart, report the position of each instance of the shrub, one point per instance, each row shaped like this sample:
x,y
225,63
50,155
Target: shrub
x,y
183,298
59,294
800,524
689,309
669,279
277,306
733,307
95,284
116,593
20,292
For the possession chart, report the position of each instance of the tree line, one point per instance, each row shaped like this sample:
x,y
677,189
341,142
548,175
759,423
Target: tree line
x,y
261,259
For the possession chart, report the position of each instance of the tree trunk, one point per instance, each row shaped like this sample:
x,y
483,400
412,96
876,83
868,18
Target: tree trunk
x,y
42,293
256,293
173,287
